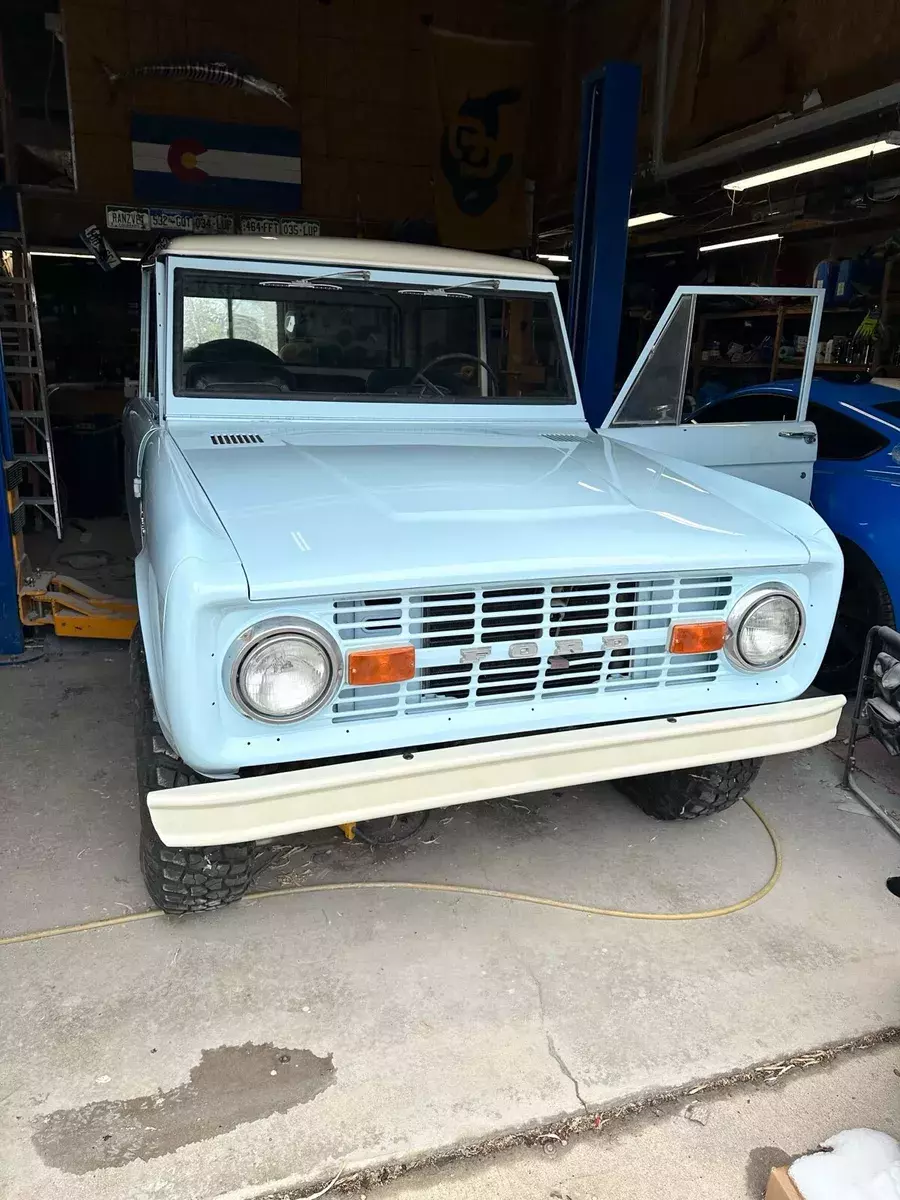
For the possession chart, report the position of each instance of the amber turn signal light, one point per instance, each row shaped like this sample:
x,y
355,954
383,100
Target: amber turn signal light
x,y
368,667
702,638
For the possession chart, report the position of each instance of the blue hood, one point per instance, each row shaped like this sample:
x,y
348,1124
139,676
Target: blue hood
x,y
316,509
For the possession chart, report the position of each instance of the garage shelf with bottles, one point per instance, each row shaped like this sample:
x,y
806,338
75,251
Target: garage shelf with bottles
x,y
767,343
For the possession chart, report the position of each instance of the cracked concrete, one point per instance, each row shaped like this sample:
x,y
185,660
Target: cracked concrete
x,y
749,1129
429,1004
558,1059
551,1047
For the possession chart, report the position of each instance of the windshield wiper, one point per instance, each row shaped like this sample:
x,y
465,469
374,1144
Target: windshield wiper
x,y
440,289
318,281
433,291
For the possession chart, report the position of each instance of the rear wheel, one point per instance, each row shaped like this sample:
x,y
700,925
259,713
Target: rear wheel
x,y
179,879
865,601
697,792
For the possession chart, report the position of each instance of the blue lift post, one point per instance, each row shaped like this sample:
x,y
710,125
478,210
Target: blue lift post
x,y
610,105
11,639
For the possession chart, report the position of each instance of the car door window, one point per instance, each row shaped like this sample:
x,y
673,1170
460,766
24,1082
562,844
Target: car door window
x,y
713,341
749,406
655,393
841,437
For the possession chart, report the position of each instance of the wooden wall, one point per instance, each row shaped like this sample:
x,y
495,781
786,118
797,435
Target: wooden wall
x,y
358,72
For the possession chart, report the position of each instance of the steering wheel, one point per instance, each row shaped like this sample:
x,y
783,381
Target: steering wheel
x,y
422,374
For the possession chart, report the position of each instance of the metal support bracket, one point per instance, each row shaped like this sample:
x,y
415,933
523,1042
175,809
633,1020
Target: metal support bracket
x,y
890,638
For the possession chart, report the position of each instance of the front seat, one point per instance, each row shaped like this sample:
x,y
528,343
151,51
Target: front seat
x,y
238,376
230,350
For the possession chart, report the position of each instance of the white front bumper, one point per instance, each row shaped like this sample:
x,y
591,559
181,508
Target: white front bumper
x,y
272,806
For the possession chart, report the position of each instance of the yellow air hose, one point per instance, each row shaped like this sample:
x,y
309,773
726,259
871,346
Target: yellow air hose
x,y
457,888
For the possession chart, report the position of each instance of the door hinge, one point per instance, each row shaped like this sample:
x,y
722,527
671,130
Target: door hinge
x,y
136,487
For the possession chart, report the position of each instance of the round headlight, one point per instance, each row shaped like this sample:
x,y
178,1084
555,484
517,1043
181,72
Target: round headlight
x,y
285,675
764,628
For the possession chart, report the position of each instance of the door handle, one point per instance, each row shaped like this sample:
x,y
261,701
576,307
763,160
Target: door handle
x,y
808,437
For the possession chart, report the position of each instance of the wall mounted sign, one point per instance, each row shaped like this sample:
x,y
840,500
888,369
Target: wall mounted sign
x,y
186,220
100,248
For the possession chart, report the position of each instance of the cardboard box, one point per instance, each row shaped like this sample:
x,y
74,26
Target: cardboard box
x,y
781,1186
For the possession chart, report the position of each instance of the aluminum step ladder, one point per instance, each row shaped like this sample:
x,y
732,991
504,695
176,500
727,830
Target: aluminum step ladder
x,y
28,455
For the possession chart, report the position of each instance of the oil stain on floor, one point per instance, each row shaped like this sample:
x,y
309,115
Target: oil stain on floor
x,y
230,1086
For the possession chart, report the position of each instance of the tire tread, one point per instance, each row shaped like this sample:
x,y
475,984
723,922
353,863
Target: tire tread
x,y
179,879
696,792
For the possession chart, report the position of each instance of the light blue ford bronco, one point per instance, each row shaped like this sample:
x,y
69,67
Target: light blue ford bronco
x,y
385,565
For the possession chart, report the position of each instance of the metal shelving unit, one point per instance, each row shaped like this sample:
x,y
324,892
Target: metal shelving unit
x,y
774,366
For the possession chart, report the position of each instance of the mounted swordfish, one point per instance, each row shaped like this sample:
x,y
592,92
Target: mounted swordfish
x,y
218,74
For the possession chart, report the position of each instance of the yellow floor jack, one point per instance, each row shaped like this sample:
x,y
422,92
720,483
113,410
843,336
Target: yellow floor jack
x,y
73,608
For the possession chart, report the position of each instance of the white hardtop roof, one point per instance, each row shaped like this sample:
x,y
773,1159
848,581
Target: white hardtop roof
x,y
358,252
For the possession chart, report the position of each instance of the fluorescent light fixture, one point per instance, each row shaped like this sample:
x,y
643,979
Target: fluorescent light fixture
x,y
649,219
78,254
555,257
819,163
763,237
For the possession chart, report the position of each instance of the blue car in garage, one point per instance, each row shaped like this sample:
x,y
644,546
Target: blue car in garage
x,y
856,488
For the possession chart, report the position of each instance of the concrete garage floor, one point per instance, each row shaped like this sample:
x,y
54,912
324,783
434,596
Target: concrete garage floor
x,y
720,1147
281,1040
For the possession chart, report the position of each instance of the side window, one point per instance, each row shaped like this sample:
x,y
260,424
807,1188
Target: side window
x,y
750,406
147,379
655,393
151,348
840,437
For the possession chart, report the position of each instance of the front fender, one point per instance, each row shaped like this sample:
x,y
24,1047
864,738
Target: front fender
x,y
187,556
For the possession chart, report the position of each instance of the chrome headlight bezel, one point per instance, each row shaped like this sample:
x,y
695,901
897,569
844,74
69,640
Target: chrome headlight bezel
x,y
273,630
742,609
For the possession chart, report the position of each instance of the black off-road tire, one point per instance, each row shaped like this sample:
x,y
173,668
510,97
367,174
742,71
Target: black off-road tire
x,y
179,879
696,792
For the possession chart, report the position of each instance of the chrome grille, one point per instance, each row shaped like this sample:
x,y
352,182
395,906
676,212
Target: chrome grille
x,y
530,642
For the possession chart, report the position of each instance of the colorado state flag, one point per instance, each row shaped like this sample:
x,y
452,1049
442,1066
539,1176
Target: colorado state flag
x,y
210,164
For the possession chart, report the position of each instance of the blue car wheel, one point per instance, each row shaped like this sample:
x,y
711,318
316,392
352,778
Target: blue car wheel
x,y
865,601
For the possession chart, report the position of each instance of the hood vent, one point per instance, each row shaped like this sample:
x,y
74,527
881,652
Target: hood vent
x,y
236,439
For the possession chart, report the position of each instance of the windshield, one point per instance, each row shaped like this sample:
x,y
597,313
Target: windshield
x,y
338,337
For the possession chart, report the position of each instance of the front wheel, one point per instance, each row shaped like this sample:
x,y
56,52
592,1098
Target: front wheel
x,y
696,792
179,879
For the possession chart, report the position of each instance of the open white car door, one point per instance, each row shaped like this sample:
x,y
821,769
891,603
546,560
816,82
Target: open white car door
x,y
710,343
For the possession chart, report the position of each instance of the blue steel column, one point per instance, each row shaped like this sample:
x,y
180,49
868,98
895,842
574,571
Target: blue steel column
x,y
610,105
11,641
